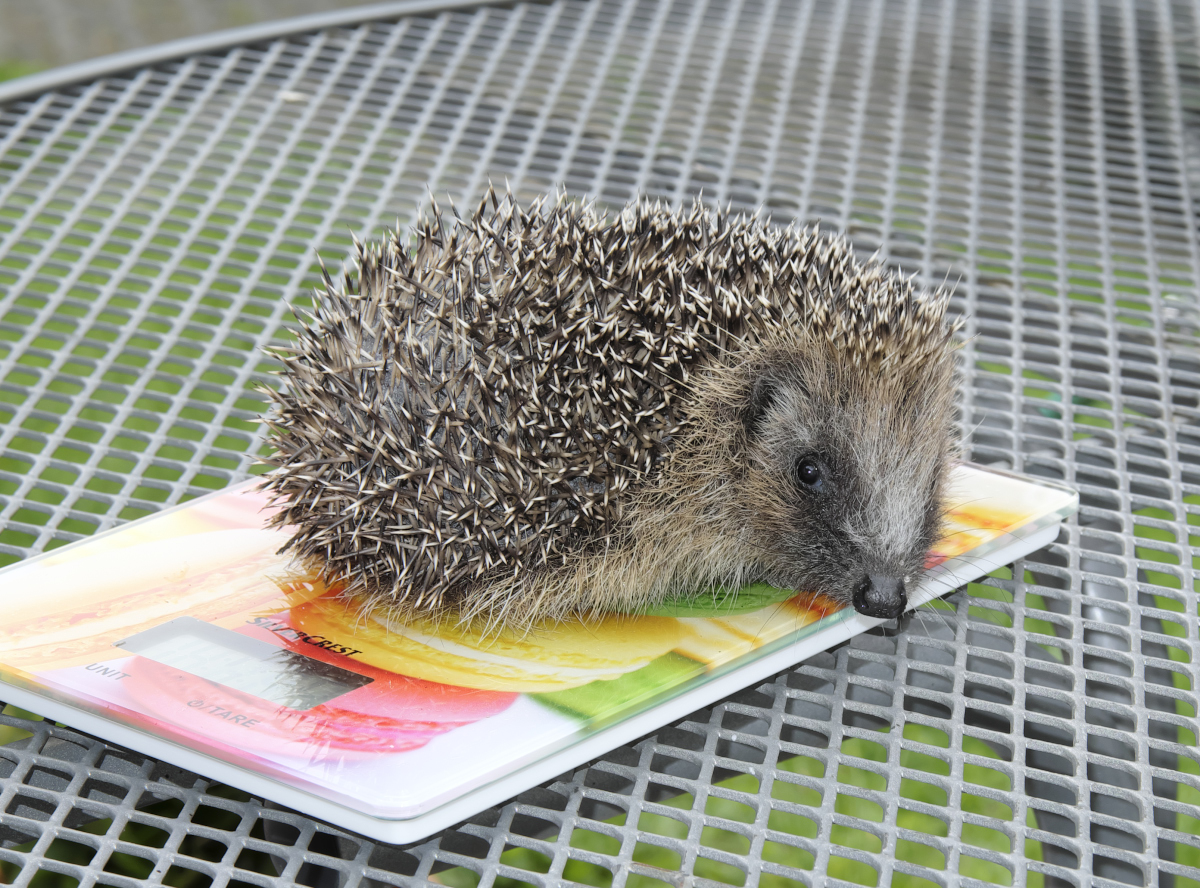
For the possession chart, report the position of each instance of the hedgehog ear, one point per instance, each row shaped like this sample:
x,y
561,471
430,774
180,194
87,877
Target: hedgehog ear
x,y
762,395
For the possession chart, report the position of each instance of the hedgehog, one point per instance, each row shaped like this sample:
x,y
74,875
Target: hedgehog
x,y
545,412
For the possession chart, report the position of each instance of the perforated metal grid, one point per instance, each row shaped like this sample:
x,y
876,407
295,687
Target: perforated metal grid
x,y
1039,729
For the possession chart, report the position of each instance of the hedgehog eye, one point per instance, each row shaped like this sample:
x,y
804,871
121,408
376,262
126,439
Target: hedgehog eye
x,y
808,473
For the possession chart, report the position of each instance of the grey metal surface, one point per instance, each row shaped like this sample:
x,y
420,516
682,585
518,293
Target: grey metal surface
x,y
1041,729
201,39
51,33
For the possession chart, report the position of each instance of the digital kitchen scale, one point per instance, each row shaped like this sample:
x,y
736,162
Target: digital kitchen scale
x,y
186,637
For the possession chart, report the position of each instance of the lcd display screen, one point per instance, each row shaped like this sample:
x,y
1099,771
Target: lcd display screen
x,y
246,664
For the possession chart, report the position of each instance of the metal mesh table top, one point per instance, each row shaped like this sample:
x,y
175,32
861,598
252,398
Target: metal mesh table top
x,y
1040,729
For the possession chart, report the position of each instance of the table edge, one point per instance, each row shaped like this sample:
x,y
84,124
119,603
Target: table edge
x,y
142,57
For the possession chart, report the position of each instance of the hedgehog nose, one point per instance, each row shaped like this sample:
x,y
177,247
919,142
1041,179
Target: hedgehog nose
x,y
881,596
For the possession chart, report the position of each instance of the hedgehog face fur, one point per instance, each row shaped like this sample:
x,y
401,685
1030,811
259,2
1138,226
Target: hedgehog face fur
x,y
538,413
843,473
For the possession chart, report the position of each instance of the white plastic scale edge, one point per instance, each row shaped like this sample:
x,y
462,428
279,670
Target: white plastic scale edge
x,y
947,577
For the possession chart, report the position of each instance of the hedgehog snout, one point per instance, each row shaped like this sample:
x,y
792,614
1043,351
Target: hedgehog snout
x,y
880,595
